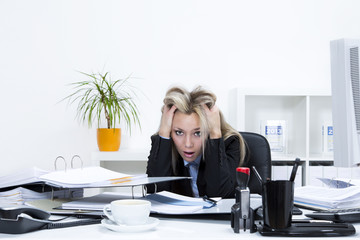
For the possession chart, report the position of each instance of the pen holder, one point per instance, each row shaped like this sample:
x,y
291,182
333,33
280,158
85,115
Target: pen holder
x,y
278,203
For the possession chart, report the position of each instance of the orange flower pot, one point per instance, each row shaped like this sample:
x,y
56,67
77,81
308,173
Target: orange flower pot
x,y
109,139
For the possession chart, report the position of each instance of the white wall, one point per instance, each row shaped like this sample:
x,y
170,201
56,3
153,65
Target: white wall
x,y
221,44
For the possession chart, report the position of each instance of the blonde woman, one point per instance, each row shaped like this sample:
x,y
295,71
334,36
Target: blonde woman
x,y
194,140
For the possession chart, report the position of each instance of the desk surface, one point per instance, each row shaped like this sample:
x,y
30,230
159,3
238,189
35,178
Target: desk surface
x,y
168,228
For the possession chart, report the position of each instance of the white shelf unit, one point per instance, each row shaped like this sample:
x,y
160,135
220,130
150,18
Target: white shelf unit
x,y
304,111
132,155
130,161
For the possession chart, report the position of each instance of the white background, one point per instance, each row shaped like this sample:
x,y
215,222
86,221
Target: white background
x,y
221,44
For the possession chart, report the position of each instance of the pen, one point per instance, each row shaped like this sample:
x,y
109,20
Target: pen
x,y
209,200
257,174
294,170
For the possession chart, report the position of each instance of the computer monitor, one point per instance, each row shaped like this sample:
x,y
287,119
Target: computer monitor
x,y
345,87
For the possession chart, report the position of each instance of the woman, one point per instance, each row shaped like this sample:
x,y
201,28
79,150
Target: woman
x,y
194,140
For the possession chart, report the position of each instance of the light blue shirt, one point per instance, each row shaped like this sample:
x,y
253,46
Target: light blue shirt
x,y
193,170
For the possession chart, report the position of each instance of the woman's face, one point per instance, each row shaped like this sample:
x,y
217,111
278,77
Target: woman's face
x,y
186,135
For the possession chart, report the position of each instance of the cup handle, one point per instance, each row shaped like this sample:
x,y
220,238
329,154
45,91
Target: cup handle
x,y
107,212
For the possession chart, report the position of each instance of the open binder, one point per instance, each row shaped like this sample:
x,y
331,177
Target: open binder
x,y
73,178
88,177
83,177
164,203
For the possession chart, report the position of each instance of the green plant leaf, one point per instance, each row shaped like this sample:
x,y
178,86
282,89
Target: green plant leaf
x,y
99,96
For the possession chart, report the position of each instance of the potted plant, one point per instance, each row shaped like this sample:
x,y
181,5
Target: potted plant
x,y
99,98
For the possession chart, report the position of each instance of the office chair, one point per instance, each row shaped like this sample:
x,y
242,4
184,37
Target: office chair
x,y
258,154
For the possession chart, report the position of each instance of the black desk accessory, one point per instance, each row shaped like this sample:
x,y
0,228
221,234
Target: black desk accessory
x,y
277,199
278,203
337,215
309,229
295,211
242,216
22,219
17,219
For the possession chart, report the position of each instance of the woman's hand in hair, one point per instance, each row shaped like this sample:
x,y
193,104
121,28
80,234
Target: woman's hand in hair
x,y
213,116
166,121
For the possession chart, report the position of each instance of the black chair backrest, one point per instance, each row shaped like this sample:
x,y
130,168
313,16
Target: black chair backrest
x,y
258,155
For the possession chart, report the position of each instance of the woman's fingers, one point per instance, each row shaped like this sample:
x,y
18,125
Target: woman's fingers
x,y
166,121
213,116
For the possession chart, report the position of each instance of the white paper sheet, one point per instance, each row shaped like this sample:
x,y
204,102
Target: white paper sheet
x,y
325,197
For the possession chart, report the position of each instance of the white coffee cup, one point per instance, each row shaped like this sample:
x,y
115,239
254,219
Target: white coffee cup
x,y
128,211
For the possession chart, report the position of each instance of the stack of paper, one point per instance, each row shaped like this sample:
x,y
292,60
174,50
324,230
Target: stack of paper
x,y
21,195
171,203
94,203
327,198
162,202
22,177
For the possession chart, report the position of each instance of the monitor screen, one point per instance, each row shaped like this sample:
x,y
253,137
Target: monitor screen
x,y
345,88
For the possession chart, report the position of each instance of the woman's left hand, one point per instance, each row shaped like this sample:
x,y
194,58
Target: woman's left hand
x,y
213,116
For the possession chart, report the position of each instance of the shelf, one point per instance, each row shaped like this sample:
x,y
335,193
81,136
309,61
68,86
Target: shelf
x,y
305,112
321,157
123,155
285,157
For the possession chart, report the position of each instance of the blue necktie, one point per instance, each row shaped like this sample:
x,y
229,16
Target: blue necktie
x,y
193,169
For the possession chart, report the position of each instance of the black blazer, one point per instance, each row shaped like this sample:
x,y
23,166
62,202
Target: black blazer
x,y
217,169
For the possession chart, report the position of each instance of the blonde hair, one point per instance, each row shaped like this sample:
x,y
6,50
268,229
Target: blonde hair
x,y
192,102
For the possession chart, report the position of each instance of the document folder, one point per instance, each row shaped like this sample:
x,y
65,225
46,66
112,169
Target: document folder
x,y
88,177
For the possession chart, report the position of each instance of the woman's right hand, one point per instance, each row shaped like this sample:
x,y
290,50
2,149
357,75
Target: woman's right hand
x,y
166,121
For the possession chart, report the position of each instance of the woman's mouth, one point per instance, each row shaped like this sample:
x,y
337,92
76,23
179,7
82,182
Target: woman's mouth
x,y
189,154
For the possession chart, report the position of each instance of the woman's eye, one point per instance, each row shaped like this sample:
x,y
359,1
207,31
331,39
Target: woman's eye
x,y
178,133
198,134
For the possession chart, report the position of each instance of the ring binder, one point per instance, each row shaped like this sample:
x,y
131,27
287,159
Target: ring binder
x,y
155,186
52,193
55,162
71,163
72,160
144,190
88,177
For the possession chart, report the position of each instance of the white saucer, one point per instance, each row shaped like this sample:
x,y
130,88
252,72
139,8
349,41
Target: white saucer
x,y
151,223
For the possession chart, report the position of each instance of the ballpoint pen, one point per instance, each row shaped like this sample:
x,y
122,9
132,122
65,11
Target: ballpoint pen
x,y
209,200
206,198
257,175
294,170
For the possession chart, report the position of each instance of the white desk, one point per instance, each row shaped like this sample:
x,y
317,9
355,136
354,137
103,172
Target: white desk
x,y
168,228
